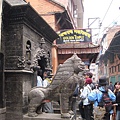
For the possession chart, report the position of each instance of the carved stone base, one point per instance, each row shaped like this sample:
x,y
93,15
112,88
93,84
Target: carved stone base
x,y
45,116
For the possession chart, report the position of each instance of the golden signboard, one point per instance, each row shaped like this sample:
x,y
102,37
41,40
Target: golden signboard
x,y
75,35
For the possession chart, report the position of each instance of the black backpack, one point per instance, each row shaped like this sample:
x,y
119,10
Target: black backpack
x,y
105,102
76,91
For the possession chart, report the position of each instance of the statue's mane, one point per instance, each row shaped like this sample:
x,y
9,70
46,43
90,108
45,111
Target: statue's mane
x,y
64,71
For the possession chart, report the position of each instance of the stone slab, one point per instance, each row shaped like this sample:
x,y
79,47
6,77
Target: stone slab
x,y
45,116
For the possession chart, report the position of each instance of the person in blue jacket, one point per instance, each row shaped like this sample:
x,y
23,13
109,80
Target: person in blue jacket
x,y
96,95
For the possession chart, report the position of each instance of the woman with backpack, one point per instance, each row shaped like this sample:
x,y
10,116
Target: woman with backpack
x,y
96,96
88,107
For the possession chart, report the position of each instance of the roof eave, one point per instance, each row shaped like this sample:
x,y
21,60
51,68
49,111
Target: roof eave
x,y
28,14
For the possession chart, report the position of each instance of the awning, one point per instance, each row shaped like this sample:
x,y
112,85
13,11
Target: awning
x,y
114,47
87,50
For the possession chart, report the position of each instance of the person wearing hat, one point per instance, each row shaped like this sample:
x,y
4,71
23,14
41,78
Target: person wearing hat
x,y
96,95
88,107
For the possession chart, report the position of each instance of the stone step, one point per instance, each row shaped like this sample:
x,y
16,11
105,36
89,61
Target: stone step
x,y
45,116
56,108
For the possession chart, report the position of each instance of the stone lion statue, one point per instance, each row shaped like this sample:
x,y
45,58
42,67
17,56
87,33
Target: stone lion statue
x,y
61,88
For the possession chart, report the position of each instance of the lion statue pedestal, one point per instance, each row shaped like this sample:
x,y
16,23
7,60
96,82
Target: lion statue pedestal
x,y
61,88
45,116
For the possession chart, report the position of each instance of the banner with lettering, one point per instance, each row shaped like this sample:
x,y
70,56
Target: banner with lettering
x,y
74,36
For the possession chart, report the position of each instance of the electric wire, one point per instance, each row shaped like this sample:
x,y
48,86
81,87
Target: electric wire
x,y
107,11
107,27
97,35
111,24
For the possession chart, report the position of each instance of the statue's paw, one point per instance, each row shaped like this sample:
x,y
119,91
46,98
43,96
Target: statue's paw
x,y
32,114
65,115
71,112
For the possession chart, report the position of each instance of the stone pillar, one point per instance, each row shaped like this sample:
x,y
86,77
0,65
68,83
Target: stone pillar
x,y
2,113
2,86
18,84
18,74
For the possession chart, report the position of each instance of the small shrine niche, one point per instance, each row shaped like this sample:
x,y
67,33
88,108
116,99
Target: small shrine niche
x,y
28,52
